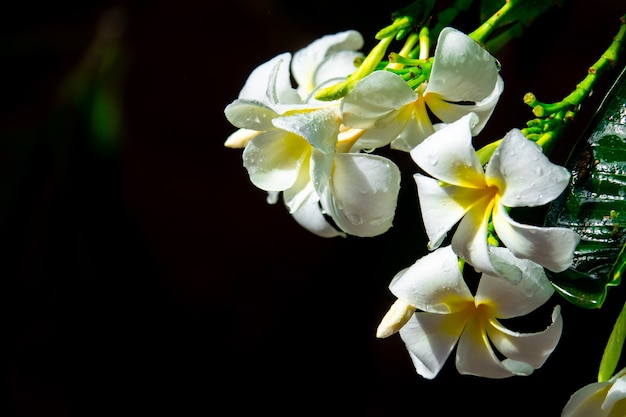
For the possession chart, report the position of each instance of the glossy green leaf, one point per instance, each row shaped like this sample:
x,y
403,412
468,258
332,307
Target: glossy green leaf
x,y
594,205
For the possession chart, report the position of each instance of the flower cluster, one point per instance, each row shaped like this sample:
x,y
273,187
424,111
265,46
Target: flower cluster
x,y
315,143
319,154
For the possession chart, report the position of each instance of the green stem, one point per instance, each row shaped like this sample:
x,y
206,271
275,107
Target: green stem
x,y
481,34
566,109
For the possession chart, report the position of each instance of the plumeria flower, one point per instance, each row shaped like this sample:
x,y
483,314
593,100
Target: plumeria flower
x,y
268,91
464,78
459,190
451,316
297,145
599,399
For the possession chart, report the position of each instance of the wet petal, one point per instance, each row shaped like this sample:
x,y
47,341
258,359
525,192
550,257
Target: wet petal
x,y
532,349
442,207
551,247
509,299
363,193
525,176
252,115
462,70
449,112
273,159
449,156
319,128
434,283
429,339
374,100
417,127
309,215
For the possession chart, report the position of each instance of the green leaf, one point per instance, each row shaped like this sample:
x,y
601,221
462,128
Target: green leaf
x,y
594,205
613,348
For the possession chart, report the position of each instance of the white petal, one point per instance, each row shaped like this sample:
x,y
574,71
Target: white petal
x,y
616,393
529,348
270,82
551,247
449,156
309,215
363,194
301,191
319,128
434,283
273,159
525,176
470,238
373,101
429,339
475,356
307,60
335,68
449,112
441,207
514,299
417,127
587,401
462,70
252,115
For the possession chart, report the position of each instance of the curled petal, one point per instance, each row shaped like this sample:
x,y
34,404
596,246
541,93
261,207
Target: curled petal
x,y
398,315
449,156
308,60
518,297
475,356
551,247
417,127
530,178
270,82
587,401
252,115
616,393
240,138
273,159
449,112
374,100
363,193
441,207
309,215
599,399
457,54
429,339
434,283
532,349
336,68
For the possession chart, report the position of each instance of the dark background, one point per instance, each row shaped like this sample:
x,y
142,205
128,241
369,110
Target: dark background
x,y
141,270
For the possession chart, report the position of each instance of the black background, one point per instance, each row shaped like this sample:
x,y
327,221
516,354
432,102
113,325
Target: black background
x,y
157,279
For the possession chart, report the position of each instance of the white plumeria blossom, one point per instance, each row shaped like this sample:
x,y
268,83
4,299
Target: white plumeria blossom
x,y
599,399
451,316
464,78
291,143
459,190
